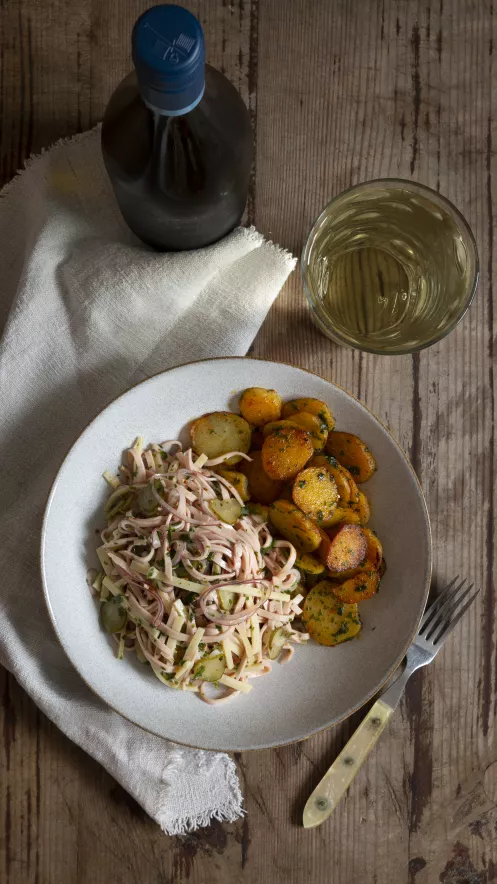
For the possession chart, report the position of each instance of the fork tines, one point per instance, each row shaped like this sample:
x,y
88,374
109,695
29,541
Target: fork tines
x,y
445,612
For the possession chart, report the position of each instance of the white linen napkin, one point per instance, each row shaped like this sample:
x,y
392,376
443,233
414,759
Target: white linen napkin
x,y
88,311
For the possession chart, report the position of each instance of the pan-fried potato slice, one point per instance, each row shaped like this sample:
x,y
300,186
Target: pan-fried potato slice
x,y
311,569
353,454
262,488
285,452
316,493
259,510
372,561
345,549
339,474
374,552
276,425
359,588
344,514
309,564
217,433
317,429
362,508
294,525
258,405
328,620
238,480
311,406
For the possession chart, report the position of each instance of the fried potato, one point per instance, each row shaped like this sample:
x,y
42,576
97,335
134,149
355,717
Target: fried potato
x,y
372,561
258,509
258,406
217,433
341,476
344,514
359,588
316,493
276,425
374,551
362,508
311,406
328,620
294,525
353,454
317,429
262,488
311,569
285,452
238,480
344,549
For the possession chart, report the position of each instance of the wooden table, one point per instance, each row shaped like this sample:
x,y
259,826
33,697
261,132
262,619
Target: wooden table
x,y
339,91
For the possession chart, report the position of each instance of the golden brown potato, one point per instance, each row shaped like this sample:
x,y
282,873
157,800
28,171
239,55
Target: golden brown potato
x,y
258,509
285,452
344,549
372,560
339,474
311,406
359,588
309,564
238,480
362,508
316,493
311,569
317,429
217,433
374,552
276,425
258,406
328,620
262,488
353,454
294,525
344,514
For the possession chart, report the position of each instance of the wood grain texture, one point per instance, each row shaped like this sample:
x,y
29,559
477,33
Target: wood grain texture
x,y
339,92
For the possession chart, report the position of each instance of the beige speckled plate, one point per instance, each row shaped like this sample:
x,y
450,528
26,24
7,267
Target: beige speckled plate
x,y
320,686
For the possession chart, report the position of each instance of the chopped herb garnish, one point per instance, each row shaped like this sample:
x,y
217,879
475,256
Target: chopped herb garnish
x,y
343,630
302,483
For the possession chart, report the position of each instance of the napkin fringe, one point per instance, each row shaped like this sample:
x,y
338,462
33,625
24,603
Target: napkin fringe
x,y
34,157
254,235
229,811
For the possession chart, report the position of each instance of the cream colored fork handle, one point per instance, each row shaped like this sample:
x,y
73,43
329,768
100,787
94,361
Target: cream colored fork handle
x,y
335,783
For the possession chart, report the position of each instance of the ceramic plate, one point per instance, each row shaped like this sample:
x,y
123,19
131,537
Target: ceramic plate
x,y
321,685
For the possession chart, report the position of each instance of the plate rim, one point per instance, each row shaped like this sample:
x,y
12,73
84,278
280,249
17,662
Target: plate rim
x,y
398,659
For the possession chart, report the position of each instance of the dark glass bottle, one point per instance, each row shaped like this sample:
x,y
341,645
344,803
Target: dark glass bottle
x,y
176,138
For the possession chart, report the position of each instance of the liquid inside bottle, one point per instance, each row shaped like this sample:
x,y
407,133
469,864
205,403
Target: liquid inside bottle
x,y
176,138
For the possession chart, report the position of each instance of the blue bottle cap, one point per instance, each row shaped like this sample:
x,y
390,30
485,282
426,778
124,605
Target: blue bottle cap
x,y
168,53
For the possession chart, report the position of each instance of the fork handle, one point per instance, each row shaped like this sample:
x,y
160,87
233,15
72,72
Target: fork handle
x,y
335,783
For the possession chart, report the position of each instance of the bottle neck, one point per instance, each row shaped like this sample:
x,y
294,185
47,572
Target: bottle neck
x,y
154,103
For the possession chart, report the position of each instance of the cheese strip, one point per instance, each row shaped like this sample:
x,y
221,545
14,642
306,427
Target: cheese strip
x,y
230,682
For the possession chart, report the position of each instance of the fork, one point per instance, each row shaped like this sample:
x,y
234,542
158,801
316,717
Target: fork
x,y
436,625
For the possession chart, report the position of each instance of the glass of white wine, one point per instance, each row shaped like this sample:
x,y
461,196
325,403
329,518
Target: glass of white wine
x,y
389,267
